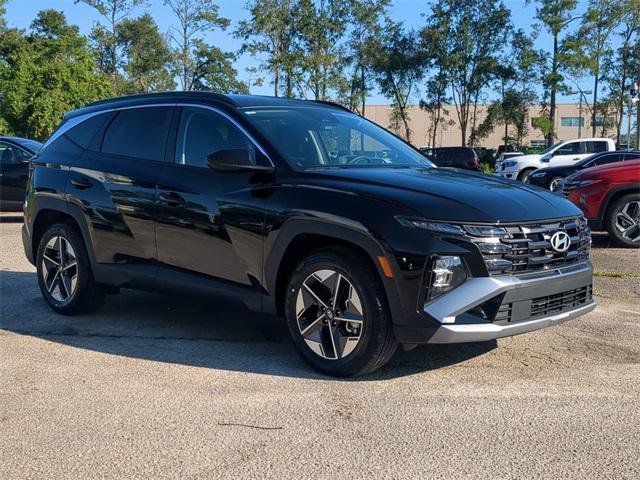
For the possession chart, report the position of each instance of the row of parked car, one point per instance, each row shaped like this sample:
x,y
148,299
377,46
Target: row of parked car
x,y
602,181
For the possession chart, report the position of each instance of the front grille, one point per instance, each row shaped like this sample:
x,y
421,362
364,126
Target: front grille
x,y
560,302
526,248
541,307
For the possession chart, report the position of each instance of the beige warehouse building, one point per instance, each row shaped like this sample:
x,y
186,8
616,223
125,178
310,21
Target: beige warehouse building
x,y
566,128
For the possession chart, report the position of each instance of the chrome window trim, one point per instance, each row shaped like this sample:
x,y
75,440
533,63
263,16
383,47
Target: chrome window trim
x,y
77,120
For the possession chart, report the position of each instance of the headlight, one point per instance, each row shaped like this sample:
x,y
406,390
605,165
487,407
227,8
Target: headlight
x,y
584,183
423,224
510,164
447,272
537,175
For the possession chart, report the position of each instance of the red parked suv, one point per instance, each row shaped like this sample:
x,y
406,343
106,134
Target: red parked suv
x,y
610,198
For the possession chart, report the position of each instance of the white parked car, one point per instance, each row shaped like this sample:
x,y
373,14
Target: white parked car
x,y
562,153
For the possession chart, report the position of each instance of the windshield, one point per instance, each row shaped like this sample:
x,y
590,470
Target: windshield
x,y
312,137
552,147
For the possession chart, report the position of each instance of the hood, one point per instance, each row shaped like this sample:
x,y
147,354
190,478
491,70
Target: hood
x,y
450,195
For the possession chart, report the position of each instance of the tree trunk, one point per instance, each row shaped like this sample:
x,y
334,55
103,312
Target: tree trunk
x,y
553,88
363,92
595,104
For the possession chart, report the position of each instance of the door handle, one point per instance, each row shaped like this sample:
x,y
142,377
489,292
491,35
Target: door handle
x,y
172,199
81,183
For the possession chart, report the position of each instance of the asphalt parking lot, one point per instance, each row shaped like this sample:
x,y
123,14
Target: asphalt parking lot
x,y
152,386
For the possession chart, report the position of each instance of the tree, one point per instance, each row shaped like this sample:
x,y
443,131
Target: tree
x,y
398,67
147,56
366,26
321,27
555,16
270,32
469,32
50,71
590,45
106,38
195,17
622,67
213,70
514,76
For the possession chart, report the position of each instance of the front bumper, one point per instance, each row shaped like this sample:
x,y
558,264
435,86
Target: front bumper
x,y
524,305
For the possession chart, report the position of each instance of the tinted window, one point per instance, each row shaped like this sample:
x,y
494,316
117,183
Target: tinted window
x,y
604,159
569,149
11,154
139,132
453,153
595,147
203,132
630,156
83,133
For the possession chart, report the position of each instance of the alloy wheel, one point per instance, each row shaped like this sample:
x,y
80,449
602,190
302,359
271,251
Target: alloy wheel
x,y
329,314
60,269
553,185
628,221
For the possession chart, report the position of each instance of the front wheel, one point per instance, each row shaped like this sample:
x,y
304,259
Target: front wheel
x,y
64,272
554,183
623,221
523,176
337,314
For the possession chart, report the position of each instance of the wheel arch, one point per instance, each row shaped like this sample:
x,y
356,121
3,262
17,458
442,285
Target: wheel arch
x,y
53,211
612,196
298,239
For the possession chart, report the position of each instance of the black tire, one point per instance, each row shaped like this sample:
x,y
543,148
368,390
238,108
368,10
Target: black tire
x,y
86,294
377,342
553,181
611,218
524,174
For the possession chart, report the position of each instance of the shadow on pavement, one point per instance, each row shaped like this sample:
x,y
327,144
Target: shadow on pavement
x,y
202,333
600,240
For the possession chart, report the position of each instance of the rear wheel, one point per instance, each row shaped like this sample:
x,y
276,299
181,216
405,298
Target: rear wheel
x,y
623,220
64,272
338,315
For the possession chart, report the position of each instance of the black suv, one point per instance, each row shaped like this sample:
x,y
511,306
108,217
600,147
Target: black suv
x,y
300,209
456,157
15,154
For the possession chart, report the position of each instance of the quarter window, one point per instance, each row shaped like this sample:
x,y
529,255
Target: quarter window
x,y
203,132
139,132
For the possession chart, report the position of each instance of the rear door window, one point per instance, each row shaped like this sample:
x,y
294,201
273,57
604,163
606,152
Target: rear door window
x,y
10,154
139,132
597,146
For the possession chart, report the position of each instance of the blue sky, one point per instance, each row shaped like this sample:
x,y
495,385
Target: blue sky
x,y
20,13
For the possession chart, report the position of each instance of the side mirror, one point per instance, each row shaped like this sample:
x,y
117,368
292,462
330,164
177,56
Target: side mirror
x,y
546,157
232,159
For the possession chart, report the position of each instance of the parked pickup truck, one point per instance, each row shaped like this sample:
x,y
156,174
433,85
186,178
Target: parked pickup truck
x,y
562,153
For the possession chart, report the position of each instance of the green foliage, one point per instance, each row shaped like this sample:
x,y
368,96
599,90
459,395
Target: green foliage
x,y
398,67
194,17
45,74
213,70
466,36
147,56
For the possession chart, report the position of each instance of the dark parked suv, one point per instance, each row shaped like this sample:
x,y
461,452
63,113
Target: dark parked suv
x,y
300,209
456,157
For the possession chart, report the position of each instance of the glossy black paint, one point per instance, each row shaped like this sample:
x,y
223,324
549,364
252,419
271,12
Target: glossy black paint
x,y
163,226
544,176
14,170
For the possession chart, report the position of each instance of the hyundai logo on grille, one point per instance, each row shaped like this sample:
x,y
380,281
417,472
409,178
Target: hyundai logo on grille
x,y
560,241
